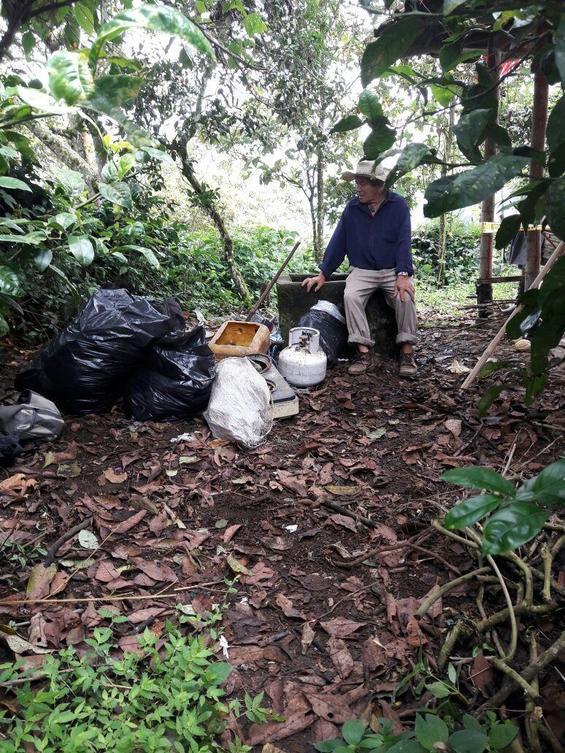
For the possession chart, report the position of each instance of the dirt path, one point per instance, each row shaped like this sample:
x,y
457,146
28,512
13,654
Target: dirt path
x,y
326,641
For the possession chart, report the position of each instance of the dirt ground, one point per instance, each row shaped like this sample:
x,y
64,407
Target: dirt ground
x,y
354,475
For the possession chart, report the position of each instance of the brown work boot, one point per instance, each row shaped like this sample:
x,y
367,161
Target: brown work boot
x,y
361,362
408,366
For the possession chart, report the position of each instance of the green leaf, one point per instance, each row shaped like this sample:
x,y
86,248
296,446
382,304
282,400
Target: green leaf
x,y
118,89
554,203
381,138
549,485
220,671
4,327
29,239
145,252
84,17
559,38
71,180
477,477
28,42
70,78
501,735
468,741
511,526
430,730
370,106
450,5
395,39
353,731
254,24
13,183
470,132
556,125
328,746
65,219
9,282
506,232
117,193
489,397
471,186
157,154
473,509
439,689
451,55
412,156
43,259
347,124
405,745
154,18
125,164
81,248
443,95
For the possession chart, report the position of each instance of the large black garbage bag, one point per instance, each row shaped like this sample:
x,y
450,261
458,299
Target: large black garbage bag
x,y
84,368
177,382
326,317
9,448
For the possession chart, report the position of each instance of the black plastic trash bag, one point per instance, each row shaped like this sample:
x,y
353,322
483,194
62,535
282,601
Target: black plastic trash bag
x,y
326,317
177,383
9,448
83,369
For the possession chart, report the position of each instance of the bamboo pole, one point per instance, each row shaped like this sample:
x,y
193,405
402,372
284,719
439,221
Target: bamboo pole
x,y
491,347
269,287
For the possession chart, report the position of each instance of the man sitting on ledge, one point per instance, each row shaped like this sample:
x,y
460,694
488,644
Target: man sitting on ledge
x,y
374,234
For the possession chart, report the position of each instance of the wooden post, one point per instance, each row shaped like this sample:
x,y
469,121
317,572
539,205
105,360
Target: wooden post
x,y
484,289
497,339
539,123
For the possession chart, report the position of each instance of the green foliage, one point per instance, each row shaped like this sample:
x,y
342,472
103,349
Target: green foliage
x,y
462,243
168,699
512,516
431,733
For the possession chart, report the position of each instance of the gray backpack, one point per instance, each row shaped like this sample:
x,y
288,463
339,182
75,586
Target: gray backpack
x,y
32,418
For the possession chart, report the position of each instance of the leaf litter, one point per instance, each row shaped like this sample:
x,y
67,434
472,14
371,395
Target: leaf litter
x,y
320,640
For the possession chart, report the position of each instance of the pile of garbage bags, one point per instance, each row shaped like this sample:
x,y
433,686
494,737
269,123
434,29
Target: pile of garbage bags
x,y
130,348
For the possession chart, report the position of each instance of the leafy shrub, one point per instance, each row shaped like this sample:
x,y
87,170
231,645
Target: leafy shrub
x,y
170,699
460,255
513,516
430,733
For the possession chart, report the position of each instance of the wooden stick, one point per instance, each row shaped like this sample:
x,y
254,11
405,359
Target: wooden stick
x,y
124,597
491,347
269,287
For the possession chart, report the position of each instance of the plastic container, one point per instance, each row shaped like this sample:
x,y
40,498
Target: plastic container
x,y
237,339
303,363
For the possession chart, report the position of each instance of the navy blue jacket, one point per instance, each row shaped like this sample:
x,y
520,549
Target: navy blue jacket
x,y
379,241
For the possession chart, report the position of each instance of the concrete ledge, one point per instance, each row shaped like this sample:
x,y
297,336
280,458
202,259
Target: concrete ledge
x,y
294,302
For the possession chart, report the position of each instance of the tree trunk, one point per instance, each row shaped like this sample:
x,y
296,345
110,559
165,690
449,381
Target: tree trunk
x,y
442,241
539,122
484,289
207,205
62,151
320,205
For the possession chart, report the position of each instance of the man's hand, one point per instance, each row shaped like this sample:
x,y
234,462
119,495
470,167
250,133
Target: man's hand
x,y
404,285
314,283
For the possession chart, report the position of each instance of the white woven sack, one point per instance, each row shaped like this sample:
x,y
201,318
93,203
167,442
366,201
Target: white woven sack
x,y
240,404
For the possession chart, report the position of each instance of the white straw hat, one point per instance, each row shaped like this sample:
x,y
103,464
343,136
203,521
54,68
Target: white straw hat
x,y
366,169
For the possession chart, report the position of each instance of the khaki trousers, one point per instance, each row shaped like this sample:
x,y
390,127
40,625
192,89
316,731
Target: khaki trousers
x,y
360,285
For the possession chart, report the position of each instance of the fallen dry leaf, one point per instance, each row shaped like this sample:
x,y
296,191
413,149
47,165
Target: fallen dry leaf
x,y
481,674
293,723
115,478
453,425
342,491
39,581
341,627
308,636
340,656
17,482
130,522
287,607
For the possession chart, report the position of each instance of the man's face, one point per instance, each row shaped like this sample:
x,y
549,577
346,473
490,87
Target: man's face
x,y
369,191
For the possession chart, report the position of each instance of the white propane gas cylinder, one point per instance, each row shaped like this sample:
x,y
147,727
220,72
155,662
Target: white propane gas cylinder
x,y
303,363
